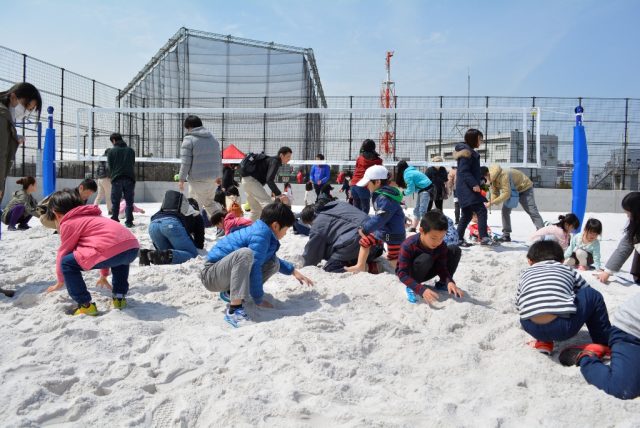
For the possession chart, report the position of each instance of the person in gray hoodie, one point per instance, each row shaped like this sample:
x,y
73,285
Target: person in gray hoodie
x,y
201,164
621,378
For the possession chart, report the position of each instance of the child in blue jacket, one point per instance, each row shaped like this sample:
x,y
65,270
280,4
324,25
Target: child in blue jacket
x,y
241,262
414,181
319,174
387,225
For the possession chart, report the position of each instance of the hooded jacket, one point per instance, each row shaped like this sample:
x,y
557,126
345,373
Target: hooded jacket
x,y
200,156
468,175
91,238
627,316
24,198
8,144
334,233
388,222
500,185
260,239
415,181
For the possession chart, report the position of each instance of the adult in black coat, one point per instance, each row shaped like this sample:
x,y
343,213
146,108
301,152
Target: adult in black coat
x,y
439,177
334,237
468,182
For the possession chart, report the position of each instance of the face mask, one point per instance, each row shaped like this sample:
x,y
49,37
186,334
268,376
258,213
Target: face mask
x,y
19,112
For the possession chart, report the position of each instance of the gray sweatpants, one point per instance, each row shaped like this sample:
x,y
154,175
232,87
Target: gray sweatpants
x,y
232,273
528,203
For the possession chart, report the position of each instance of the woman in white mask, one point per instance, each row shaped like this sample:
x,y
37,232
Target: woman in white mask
x,y
17,104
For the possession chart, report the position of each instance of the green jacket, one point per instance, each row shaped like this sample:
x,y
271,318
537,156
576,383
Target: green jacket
x,y
21,197
8,144
121,159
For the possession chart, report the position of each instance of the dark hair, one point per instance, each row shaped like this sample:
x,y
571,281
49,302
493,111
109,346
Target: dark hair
x,y
232,191
26,182
631,203
89,184
287,184
568,219
320,156
25,91
368,145
284,150
383,182
400,169
308,214
218,216
64,201
472,138
194,204
545,250
309,186
220,197
116,136
192,122
484,171
279,213
434,220
593,225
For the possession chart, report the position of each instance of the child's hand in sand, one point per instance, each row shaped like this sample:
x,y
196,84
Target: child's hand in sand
x,y
430,296
602,276
454,290
355,269
103,283
56,287
265,304
301,278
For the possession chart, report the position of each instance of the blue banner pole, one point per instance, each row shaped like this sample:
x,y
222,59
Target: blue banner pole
x,y
580,179
49,157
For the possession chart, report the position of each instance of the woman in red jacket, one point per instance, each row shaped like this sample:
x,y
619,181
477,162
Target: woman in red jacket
x,y
368,157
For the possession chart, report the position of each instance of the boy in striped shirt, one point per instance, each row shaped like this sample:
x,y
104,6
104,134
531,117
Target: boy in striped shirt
x,y
555,301
425,255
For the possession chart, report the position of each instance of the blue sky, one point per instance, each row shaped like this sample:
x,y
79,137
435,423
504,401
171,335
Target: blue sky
x,y
512,48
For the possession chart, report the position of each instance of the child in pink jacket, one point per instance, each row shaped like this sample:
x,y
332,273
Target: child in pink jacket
x,y
90,241
559,232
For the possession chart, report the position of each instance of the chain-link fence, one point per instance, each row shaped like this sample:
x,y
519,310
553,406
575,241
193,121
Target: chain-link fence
x,y
612,126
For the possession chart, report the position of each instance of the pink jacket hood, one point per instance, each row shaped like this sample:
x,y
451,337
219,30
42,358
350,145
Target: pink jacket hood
x,y
91,238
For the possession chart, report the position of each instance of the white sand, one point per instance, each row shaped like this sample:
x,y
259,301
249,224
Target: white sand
x,y
350,351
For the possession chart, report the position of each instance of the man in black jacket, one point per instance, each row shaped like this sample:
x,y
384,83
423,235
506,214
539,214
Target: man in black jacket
x,y
334,237
265,173
121,159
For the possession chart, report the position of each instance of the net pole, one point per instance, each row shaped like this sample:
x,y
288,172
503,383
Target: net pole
x,y
525,158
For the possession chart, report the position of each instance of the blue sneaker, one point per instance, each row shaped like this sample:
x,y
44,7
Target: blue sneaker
x,y
238,318
411,296
224,295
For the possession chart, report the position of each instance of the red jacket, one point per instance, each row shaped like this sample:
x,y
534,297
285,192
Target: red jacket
x,y
362,163
231,221
299,177
91,238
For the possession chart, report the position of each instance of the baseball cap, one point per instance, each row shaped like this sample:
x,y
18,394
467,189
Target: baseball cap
x,y
375,172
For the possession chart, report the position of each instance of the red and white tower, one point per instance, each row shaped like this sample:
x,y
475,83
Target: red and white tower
x,y
387,100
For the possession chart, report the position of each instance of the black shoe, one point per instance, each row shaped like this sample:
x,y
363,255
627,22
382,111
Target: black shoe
x,y
8,293
488,242
143,257
465,244
23,227
161,257
129,225
503,238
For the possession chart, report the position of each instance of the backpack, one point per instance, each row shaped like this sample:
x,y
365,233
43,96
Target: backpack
x,y
249,164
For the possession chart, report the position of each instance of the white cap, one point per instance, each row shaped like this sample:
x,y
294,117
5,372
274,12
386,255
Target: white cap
x,y
375,172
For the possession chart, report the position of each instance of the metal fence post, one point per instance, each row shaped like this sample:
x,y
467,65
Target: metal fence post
x,y
626,142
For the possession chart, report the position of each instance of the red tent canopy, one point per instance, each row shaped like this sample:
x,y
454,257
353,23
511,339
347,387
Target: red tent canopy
x,y
232,152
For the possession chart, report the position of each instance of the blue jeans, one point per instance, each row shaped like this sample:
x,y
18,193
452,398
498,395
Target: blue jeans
x,y
119,265
168,233
590,310
622,377
126,186
361,198
422,204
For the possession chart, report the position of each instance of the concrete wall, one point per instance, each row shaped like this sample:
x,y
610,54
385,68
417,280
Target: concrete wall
x,y
555,200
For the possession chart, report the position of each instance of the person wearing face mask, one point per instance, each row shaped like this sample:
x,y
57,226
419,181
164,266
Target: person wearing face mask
x,y
16,105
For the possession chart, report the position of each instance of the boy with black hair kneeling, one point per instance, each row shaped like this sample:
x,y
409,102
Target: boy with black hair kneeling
x,y
240,263
555,301
425,255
